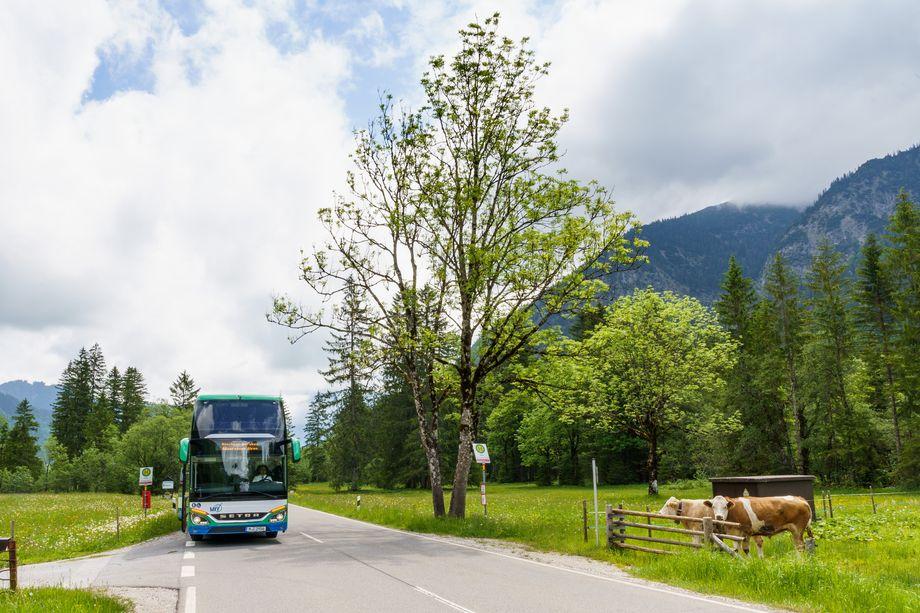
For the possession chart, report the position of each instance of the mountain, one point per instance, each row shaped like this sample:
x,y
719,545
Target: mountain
x,y
853,206
689,254
39,395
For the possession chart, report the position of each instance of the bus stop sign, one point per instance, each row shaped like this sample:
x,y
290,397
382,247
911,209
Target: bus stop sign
x,y
146,476
481,452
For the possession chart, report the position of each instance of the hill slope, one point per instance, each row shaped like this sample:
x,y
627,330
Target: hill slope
x,y
853,206
689,254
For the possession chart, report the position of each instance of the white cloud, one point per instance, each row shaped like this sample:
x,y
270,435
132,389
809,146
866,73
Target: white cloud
x,y
160,224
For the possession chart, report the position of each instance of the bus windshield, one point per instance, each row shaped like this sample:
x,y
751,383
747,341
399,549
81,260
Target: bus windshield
x,y
238,468
220,418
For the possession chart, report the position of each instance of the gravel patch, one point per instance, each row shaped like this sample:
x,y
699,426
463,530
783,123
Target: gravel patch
x,y
148,599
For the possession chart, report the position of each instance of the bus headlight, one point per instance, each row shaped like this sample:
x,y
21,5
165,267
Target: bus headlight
x,y
198,520
278,516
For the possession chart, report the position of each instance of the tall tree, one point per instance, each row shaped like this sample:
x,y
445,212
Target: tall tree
x,y
752,391
456,194
782,290
350,371
73,403
183,391
874,305
133,394
902,261
654,361
21,446
316,431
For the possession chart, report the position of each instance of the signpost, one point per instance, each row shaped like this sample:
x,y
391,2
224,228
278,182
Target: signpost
x,y
144,479
482,458
168,485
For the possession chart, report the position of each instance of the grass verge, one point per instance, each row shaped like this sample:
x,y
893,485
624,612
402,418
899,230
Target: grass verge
x,y
60,600
58,526
864,561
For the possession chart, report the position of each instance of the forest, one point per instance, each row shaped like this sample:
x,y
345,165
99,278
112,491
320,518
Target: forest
x,y
813,375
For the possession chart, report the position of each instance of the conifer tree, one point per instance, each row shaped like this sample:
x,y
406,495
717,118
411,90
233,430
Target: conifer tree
x,y
73,403
21,445
902,261
874,306
752,390
183,391
348,449
782,290
316,431
134,392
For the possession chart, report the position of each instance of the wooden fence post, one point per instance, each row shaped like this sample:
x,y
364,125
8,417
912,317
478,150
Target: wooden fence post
x,y
648,520
824,504
609,513
830,503
14,563
584,519
872,498
707,532
117,524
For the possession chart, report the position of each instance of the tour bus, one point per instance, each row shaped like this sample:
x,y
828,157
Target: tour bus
x,y
234,467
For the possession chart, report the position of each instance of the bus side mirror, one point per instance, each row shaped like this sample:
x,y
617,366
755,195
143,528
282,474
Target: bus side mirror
x,y
183,450
295,449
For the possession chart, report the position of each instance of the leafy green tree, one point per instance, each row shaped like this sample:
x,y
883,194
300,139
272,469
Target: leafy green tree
x,y
782,291
398,458
133,398
655,360
459,190
184,392
152,442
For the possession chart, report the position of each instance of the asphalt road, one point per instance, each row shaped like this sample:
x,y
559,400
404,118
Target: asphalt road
x,y
329,563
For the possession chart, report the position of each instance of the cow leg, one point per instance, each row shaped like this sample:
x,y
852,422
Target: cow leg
x,y
745,544
797,539
759,541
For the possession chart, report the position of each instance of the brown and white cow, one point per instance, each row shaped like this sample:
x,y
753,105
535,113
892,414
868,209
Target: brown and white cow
x,y
687,507
766,516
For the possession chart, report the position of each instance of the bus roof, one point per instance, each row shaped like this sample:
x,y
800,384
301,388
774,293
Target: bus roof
x,y
237,397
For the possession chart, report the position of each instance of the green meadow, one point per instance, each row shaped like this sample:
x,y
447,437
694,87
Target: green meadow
x,y
863,561
58,526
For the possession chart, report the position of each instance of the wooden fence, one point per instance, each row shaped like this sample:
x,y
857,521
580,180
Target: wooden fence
x,y
8,546
711,532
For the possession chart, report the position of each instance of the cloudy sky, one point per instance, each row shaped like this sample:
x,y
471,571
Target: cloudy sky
x,y
161,162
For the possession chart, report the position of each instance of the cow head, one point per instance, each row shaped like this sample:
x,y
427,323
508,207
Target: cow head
x,y
720,506
670,507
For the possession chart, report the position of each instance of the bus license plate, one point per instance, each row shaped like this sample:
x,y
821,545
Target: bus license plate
x,y
255,528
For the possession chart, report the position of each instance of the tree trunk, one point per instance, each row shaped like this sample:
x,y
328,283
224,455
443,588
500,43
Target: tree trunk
x,y
651,465
464,451
429,435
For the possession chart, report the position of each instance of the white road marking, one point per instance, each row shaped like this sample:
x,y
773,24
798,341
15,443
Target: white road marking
x,y
442,600
190,599
312,538
189,555
188,571
189,543
650,588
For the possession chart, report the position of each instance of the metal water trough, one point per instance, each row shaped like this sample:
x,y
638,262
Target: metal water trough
x,y
767,485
